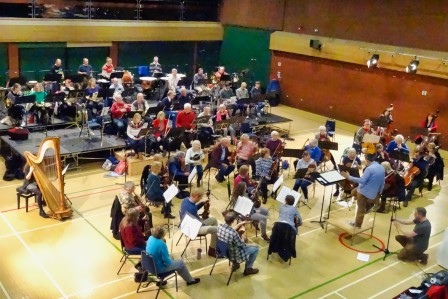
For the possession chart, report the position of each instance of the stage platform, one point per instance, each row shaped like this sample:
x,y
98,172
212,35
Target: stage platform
x,y
270,121
57,123
72,146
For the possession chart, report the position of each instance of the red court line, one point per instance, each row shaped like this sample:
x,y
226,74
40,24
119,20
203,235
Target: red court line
x,y
341,236
78,196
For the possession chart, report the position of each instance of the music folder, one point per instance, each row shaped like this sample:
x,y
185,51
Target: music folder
x,y
300,173
328,145
398,155
370,138
290,152
354,172
328,178
169,194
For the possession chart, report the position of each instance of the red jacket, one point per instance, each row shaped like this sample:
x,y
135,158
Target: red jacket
x,y
184,120
132,237
155,124
240,179
116,107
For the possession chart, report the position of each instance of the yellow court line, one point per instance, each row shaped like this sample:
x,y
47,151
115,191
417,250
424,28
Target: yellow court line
x,y
369,275
404,280
4,291
36,260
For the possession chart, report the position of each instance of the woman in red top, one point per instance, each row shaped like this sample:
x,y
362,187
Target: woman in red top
x,y
107,68
131,234
118,109
162,128
430,124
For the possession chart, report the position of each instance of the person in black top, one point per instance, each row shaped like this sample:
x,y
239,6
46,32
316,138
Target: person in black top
x,y
415,242
166,103
31,185
422,163
57,68
85,68
185,97
154,191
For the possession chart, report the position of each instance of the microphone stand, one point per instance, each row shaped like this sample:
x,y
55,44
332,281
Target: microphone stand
x,y
394,213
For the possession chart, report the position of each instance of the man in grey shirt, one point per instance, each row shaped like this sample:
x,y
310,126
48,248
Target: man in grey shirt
x,y
416,242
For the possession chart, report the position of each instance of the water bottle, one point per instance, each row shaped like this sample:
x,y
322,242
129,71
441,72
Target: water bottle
x,y
199,253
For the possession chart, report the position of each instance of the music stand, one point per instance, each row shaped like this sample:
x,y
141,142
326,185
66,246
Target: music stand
x,y
23,100
197,100
53,98
159,75
326,179
79,78
300,174
174,134
400,156
145,132
204,82
49,77
328,145
118,75
225,77
292,153
130,114
379,122
105,93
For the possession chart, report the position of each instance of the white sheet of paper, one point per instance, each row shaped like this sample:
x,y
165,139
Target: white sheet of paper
x,y
284,191
190,226
192,175
371,138
277,183
332,176
243,206
170,193
363,257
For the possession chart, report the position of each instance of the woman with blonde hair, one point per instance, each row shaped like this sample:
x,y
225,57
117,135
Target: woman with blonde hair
x,y
162,128
194,158
136,142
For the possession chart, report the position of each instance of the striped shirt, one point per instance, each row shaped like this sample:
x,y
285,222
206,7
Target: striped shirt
x,y
263,166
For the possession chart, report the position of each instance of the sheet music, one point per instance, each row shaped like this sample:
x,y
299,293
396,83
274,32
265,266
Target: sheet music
x,y
105,111
277,183
284,191
243,206
170,193
190,226
192,175
332,176
371,138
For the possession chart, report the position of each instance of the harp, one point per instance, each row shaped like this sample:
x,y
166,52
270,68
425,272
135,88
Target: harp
x,y
47,170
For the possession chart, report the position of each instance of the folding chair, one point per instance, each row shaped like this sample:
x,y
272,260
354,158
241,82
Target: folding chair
x,y
222,251
126,255
149,267
199,238
331,128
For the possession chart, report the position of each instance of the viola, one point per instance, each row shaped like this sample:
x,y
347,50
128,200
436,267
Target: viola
x,y
206,213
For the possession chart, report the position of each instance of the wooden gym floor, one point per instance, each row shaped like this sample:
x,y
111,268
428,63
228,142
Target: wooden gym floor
x,y
78,258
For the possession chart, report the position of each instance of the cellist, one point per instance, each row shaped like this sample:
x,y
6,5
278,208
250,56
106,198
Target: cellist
x,y
422,164
322,135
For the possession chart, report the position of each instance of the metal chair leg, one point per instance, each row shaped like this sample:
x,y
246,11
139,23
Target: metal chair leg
x,y
216,259
122,264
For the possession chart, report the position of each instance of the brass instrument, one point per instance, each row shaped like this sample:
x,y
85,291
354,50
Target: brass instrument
x,y
47,170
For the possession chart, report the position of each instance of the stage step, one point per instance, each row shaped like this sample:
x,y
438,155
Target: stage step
x,y
135,165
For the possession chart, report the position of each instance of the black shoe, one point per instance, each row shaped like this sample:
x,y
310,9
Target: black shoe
x,y
169,216
163,283
219,179
265,200
336,193
194,281
43,214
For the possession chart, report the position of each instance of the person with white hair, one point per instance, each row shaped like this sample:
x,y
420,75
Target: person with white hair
x,y
173,80
127,199
116,86
315,152
118,110
241,93
322,135
185,120
194,158
220,159
351,160
155,66
185,97
273,143
178,173
397,145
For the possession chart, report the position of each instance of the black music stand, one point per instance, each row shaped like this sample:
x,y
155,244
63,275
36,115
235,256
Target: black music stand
x,y
318,177
197,100
225,77
118,75
159,75
49,77
200,121
145,132
23,100
209,168
292,153
152,112
204,82
76,94
328,145
54,98
400,156
105,93
174,134
300,174
130,114
79,78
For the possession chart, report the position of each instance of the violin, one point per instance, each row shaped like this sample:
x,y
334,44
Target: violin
x,y
232,157
145,217
206,213
164,177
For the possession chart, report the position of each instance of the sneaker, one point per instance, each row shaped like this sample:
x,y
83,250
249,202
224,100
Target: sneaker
x,y
250,271
194,281
169,216
424,259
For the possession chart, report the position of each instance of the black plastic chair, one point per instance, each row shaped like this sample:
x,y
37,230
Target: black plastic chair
x,y
331,128
222,251
149,267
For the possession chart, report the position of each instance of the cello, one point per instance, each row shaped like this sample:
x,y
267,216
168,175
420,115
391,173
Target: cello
x,y
127,79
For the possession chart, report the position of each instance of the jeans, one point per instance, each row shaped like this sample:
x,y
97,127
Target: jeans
x,y
252,250
411,188
303,184
121,124
137,145
200,171
210,227
261,215
225,171
136,250
181,269
409,252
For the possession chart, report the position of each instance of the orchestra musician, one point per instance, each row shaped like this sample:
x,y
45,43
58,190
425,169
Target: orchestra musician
x,y
118,111
397,145
314,150
166,103
134,127
116,86
436,165
371,184
310,164
194,158
179,172
156,247
127,199
85,68
381,155
264,172
161,125
322,135
131,234
173,80
226,93
199,76
390,186
154,191
223,114
221,71
185,120
273,143
365,129
206,129
191,205
421,162
30,185
14,112
290,214
107,68
57,68
259,214
155,66
243,177
185,97
350,160
429,123
239,251
42,115
241,93
244,150
220,159
256,90
93,106
139,104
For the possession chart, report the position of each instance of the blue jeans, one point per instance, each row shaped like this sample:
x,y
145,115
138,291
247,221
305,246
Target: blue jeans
x,y
200,171
225,171
181,269
252,250
137,145
136,250
303,184
121,124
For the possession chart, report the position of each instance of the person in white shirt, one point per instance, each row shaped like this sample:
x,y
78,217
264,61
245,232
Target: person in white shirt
x,y
134,127
173,80
303,183
194,158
